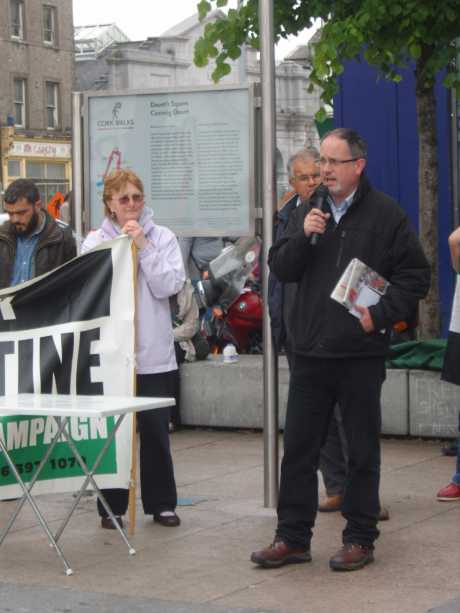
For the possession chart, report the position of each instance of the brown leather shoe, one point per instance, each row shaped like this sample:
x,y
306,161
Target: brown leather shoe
x,y
351,557
279,553
108,524
331,504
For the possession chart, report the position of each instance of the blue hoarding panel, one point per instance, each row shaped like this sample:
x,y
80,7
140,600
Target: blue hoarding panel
x,y
384,113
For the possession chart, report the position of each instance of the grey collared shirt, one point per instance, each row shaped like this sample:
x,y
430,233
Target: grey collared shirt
x,y
339,210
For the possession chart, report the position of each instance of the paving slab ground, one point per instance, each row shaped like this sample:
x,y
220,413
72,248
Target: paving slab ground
x,y
203,566
55,600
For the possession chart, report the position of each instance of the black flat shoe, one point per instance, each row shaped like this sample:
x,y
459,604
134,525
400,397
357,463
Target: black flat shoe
x,y
108,524
169,521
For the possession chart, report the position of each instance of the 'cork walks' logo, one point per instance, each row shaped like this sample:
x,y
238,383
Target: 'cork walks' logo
x,y
118,121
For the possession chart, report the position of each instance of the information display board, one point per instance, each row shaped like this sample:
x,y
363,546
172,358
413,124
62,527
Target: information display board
x,y
193,150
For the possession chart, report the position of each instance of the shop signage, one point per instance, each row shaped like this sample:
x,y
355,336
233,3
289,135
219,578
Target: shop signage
x,y
41,149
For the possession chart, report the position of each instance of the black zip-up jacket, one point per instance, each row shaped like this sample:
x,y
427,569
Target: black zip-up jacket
x,y
376,231
55,246
280,295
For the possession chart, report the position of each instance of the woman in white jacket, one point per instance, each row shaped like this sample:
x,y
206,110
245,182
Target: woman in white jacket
x,y
160,274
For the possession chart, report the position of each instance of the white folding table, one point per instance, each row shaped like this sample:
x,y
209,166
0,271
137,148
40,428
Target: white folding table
x,y
63,408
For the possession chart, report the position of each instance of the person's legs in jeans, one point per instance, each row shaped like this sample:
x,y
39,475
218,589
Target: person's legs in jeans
x,y
451,491
456,477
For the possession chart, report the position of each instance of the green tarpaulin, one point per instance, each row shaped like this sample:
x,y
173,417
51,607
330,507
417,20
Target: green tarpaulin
x,y
423,355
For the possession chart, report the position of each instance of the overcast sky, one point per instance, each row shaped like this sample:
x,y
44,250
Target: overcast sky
x,y
139,19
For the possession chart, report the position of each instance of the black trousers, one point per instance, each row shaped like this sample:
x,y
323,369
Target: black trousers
x,y
333,459
158,487
316,386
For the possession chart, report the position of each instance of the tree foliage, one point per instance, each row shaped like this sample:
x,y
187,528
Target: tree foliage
x,y
393,33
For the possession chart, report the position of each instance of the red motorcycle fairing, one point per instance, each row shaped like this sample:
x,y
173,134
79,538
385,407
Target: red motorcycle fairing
x,y
244,317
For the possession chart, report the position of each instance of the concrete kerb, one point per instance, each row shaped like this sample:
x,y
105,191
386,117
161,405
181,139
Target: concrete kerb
x,y
218,394
433,405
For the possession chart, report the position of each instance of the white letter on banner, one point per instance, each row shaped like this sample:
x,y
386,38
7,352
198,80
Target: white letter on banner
x,y
79,428
51,428
98,427
37,426
6,309
17,434
2,436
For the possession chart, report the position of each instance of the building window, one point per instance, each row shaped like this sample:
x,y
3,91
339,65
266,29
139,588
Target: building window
x,y
17,19
19,102
49,177
50,171
49,25
52,115
55,171
14,168
35,170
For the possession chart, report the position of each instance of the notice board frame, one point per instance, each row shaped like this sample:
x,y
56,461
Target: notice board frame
x,y
121,127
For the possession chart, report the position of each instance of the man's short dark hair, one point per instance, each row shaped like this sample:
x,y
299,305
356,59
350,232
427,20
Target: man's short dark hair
x,y
357,144
21,188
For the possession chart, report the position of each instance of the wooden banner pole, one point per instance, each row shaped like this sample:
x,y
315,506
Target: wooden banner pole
x,y
133,472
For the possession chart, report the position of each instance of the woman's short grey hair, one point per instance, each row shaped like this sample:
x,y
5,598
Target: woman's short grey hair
x,y
306,155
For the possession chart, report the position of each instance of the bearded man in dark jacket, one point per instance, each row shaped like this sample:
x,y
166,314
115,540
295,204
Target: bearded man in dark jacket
x,y
339,358
31,242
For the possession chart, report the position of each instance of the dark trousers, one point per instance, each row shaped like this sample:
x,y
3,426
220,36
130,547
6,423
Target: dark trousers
x,y
316,386
158,487
333,459
175,410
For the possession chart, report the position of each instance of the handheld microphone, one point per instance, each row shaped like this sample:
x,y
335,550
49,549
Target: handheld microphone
x,y
321,195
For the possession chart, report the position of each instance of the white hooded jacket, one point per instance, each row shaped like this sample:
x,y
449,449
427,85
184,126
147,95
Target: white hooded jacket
x,y
160,274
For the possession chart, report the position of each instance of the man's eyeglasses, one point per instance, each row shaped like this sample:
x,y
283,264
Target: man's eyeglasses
x,y
305,178
125,200
333,162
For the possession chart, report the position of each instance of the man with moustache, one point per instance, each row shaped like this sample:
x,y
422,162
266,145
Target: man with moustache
x,y
339,358
31,242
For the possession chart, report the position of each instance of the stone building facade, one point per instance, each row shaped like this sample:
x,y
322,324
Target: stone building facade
x,y
36,78
167,62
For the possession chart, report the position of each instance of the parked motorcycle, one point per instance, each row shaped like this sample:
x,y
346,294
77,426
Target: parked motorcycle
x,y
231,296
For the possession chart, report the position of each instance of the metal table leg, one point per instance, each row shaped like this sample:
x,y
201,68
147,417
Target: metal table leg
x,y
90,479
27,496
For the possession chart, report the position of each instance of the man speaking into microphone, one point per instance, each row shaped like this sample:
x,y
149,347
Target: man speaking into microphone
x,y
338,358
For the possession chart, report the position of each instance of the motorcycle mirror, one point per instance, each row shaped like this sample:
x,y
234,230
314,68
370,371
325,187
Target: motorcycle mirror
x,y
207,292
